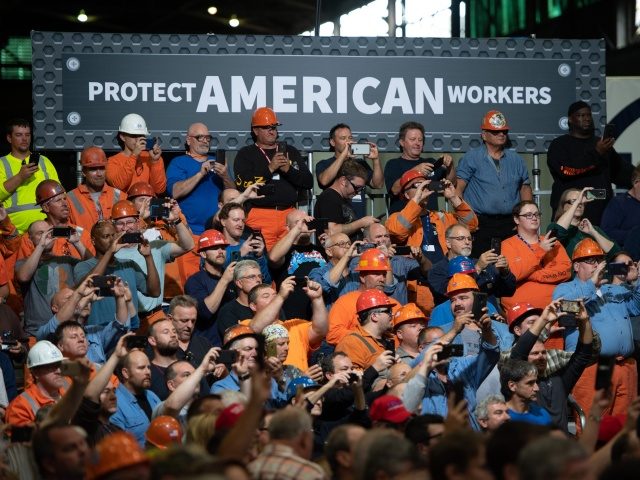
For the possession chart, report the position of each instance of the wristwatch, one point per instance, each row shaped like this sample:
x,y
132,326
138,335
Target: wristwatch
x,y
244,377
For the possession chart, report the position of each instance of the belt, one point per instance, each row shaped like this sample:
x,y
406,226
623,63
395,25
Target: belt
x,y
506,215
277,207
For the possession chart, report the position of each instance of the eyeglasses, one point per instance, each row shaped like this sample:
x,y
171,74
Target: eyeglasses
x,y
344,244
591,261
530,215
462,238
268,127
382,310
356,188
125,223
253,277
202,138
495,133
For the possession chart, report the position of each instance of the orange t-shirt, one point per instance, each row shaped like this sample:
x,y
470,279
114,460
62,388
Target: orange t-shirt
x,y
124,170
361,347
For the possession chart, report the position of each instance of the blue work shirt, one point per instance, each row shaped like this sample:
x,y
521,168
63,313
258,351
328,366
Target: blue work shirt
x,y
231,382
262,261
609,307
471,338
491,190
537,415
130,416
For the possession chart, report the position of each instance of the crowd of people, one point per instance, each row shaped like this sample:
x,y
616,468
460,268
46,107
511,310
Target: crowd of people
x,y
193,320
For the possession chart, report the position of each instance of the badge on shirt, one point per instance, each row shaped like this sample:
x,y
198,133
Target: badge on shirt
x,y
275,177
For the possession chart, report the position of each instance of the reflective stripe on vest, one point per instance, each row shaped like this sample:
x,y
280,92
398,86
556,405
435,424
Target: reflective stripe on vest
x,y
116,195
76,202
32,402
14,197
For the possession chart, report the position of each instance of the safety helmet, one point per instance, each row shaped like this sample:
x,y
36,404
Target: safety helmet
x,y
459,282
408,313
408,176
114,452
494,120
47,189
372,298
163,432
140,188
305,382
461,264
43,353
587,247
237,332
93,157
122,209
264,117
133,124
517,313
211,238
373,260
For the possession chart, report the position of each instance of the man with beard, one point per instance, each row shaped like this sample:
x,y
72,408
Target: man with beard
x,y
134,399
580,159
163,340
92,200
295,255
19,177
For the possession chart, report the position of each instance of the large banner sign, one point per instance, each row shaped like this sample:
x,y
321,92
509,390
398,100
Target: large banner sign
x,y
311,89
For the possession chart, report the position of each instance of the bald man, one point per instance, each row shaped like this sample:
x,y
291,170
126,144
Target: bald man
x,y
295,254
339,252
196,178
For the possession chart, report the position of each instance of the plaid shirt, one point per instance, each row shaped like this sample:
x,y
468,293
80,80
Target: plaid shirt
x,y
280,462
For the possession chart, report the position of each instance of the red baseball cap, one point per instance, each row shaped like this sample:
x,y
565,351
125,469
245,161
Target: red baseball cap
x,y
388,408
229,416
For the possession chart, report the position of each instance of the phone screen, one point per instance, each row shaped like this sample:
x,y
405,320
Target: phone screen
x,y
496,245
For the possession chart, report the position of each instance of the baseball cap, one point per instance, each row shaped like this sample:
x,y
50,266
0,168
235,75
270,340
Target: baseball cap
x,y
388,408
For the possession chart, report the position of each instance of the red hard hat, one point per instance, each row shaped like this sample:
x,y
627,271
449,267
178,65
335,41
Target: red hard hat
x,y
237,332
93,157
408,313
494,120
408,176
140,188
373,260
264,117
519,312
163,432
122,209
114,452
459,282
587,247
211,238
372,298
48,189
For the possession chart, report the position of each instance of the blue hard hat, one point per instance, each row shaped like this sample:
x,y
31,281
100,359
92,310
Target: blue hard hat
x,y
461,264
304,382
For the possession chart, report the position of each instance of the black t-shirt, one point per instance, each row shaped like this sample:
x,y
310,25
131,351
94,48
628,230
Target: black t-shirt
x,y
230,314
332,205
144,404
299,261
158,385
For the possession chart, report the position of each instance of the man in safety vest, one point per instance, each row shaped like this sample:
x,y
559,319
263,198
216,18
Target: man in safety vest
x,y
19,177
92,200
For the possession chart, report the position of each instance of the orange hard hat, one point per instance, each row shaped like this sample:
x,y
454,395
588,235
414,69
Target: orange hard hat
x,y
122,209
140,188
237,332
519,312
264,117
114,452
211,238
494,120
373,260
587,247
164,431
461,281
48,189
407,313
93,157
408,176
372,298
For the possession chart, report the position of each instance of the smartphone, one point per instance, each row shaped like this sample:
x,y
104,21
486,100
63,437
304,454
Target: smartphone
x,y
272,349
360,149
554,233
617,268
255,233
389,344
157,209
451,350
569,306
479,303
381,216
131,237
609,131
438,163
353,378
435,186
62,232
318,224
228,357
496,245
235,255
402,250
568,321
221,156
21,434
282,147
69,369
604,372
34,158
151,142
457,390
596,194
136,341
363,247
300,281
268,189
105,283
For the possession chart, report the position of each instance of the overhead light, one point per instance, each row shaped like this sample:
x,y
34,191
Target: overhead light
x,y
82,17
233,21
212,10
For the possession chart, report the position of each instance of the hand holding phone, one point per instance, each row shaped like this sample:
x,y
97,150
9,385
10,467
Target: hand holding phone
x,y
479,304
496,245
136,341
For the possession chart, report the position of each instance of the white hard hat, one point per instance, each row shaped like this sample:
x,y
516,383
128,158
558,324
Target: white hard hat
x,y
133,124
43,353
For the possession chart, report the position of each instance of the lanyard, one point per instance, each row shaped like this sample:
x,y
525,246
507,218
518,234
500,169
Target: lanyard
x,y
525,242
264,153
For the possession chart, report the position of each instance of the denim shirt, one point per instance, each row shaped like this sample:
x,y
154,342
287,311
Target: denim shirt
x,y
130,416
231,382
